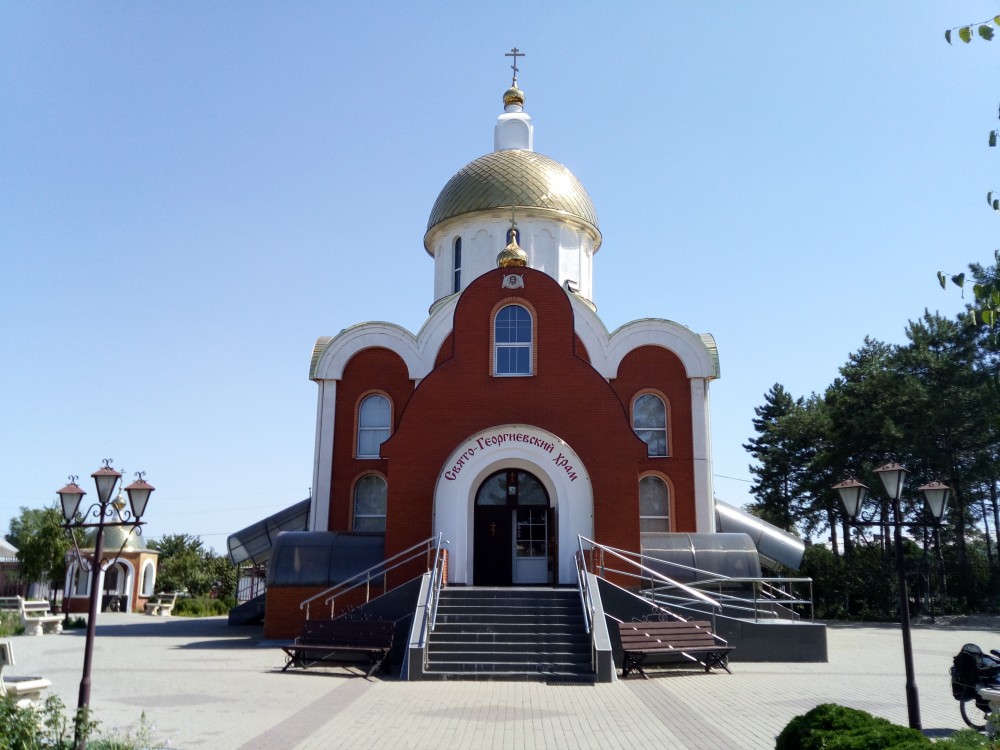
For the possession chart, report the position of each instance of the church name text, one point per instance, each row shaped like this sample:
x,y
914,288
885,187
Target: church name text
x,y
486,442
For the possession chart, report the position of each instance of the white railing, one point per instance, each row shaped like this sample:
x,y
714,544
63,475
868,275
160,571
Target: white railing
x,y
430,547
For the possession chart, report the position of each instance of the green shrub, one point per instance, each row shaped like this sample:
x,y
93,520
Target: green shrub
x,y
964,739
140,737
47,726
833,727
10,624
200,606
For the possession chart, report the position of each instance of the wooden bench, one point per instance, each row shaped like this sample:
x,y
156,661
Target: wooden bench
x,y
22,689
672,642
36,616
325,640
161,605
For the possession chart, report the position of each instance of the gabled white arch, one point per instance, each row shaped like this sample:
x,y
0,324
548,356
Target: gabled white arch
x,y
607,350
331,355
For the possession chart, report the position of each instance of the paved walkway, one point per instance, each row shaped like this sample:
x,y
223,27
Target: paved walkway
x,y
206,685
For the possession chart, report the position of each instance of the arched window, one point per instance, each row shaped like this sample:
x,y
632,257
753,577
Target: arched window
x,y
649,420
512,341
654,504
456,266
80,581
513,235
148,584
370,494
374,419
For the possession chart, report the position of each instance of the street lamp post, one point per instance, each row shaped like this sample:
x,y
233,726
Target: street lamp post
x,y
105,512
852,495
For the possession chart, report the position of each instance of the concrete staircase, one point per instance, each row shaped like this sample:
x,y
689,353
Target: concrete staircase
x,y
509,634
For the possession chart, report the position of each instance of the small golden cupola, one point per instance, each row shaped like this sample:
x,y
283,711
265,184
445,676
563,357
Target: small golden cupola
x,y
514,96
512,256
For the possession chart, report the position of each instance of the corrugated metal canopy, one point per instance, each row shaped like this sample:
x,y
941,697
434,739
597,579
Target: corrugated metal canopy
x,y
253,543
322,558
696,557
774,545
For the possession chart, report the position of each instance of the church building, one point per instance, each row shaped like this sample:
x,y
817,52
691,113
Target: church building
x,y
513,424
513,421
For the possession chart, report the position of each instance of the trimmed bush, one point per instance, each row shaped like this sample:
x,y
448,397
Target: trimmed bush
x,y
833,727
200,606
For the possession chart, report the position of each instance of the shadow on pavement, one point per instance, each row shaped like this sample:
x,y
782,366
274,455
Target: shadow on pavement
x,y
217,628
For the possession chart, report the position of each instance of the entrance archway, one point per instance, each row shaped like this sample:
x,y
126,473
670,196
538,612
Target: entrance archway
x,y
534,450
513,526
116,587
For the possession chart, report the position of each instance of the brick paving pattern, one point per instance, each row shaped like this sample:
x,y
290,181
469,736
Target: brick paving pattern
x,y
206,685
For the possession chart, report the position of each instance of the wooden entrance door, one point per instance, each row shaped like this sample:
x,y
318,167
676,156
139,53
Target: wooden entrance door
x,y
492,545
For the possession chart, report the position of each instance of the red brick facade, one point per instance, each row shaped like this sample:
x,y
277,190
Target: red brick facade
x,y
565,396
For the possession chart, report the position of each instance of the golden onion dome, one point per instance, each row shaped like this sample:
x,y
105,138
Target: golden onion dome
x,y
512,256
119,537
514,178
513,95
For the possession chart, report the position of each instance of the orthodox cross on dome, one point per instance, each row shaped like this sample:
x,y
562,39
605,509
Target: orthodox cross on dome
x,y
515,53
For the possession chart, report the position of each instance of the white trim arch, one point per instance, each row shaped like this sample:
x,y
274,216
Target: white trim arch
x,y
73,570
418,352
556,465
148,577
607,351
128,586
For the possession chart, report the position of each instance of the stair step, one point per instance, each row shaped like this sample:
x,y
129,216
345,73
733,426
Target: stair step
x,y
496,633
502,639
579,659
507,664
514,675
495,629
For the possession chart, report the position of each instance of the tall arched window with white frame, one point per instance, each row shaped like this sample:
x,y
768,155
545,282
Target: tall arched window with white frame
x,y
374,425
512,336
649,420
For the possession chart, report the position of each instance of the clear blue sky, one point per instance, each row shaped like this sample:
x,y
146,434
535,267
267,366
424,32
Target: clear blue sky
x,y
191,193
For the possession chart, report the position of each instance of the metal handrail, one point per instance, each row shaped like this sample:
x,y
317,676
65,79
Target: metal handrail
x,y
364,578
583,585
437,583
658,581
430,604
759,601
621,554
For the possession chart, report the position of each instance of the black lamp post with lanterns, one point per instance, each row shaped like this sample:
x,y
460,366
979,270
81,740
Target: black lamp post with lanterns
x,y
936,495
100,515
